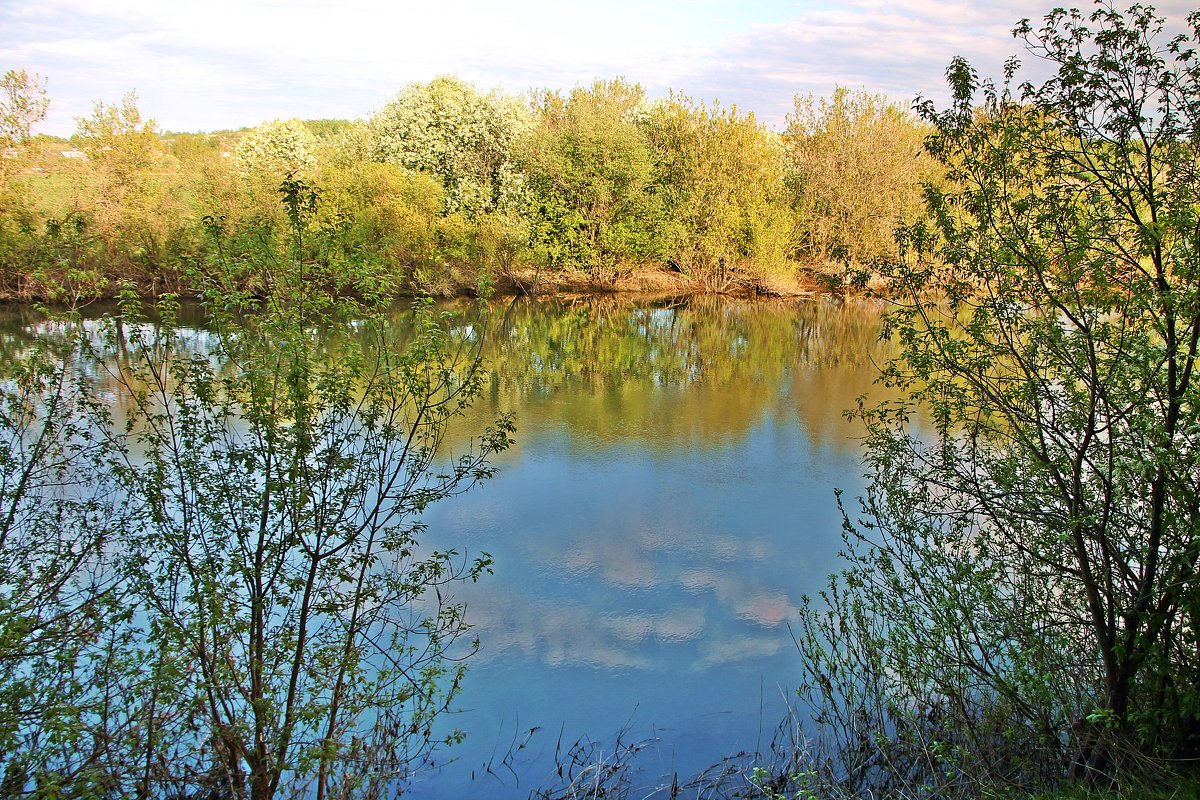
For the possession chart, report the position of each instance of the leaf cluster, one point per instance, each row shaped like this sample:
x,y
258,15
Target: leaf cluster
x,y
1019,604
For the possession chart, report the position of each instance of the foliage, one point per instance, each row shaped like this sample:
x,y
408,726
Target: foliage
x,y
388,217
463,138
722,179
131,209
859,166
23,104
118,136
283,476
590,171
60,516
264,157
212,580
1020,601
1177,789
590,186
191,148
274,150
322,128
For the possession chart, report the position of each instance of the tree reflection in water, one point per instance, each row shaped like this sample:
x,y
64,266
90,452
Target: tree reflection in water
x,y
668,502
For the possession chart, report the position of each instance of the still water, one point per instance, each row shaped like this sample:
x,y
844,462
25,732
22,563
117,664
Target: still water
x,y
669,501
667,504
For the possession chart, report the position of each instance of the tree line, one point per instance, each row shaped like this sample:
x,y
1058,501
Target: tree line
x,y
447,186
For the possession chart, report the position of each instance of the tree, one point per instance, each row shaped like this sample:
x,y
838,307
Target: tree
x,y
722,180
464,138
301,641
859,166
270,153
60,597
118,136
389,217
23,104
131,203
590,172
1022,596
276,149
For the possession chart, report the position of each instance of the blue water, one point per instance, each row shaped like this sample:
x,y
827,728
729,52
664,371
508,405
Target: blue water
x,y
652,542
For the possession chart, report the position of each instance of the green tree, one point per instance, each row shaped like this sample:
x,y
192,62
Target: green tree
x,y
118,137
302,641
722,179
262,158
463,140
23,104
130,202
61,517
859,166
323,128
1022,595
276,149
448,129
590,172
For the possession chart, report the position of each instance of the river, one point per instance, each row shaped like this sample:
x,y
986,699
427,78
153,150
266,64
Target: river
x,y
668,503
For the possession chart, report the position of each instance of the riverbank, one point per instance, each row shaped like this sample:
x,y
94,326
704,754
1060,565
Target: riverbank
x,y
802,283
525,282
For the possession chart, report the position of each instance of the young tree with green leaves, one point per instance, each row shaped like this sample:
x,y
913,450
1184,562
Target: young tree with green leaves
x,y
276,149
130,201
23,104
448,132
723,181
463,138
62,598
302,639
1022,597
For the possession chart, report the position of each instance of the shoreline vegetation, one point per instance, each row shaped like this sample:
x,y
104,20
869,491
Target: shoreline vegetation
x,y
448,191
1019,607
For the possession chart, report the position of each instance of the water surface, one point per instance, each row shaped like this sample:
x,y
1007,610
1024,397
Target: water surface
x,y
669,502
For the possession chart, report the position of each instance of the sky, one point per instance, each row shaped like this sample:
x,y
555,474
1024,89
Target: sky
x,y
222,64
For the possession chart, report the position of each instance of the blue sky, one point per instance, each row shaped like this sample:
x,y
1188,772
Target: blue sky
x,y
232,63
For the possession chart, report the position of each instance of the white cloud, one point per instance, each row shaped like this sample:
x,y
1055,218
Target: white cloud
x,y
229,63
